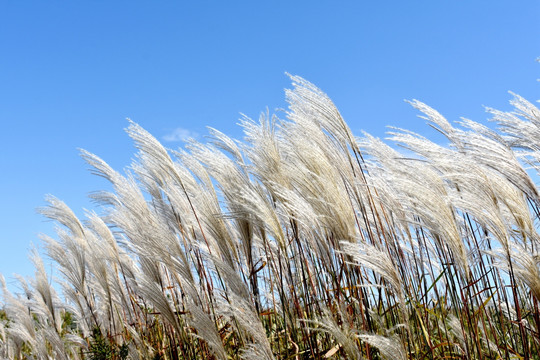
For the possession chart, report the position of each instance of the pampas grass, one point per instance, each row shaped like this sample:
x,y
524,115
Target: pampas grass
x,y
299,242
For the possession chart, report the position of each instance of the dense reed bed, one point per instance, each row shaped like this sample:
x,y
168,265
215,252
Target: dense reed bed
x,y
299,242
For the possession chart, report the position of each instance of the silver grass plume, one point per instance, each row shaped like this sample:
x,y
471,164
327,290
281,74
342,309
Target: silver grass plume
x,y
390,348
239,306
379,261
522,262
344,335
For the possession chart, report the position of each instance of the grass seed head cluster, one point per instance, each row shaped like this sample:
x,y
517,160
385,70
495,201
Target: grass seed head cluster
x,y
299,242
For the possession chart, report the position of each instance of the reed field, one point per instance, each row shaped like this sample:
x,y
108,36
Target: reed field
x,y
301,241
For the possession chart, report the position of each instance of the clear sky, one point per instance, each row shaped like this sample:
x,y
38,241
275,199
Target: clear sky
x,y
71,72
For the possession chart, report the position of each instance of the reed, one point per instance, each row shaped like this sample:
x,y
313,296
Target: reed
x,y
300,242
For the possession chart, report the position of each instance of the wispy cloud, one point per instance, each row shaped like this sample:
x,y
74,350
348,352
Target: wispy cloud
x,y
180,134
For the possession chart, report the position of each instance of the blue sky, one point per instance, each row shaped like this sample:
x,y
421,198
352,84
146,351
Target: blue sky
x,y
72,72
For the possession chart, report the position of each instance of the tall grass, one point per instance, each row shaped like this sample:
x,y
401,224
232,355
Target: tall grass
x,y
299,242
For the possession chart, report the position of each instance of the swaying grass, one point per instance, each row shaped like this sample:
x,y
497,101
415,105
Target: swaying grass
x,y
301,242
